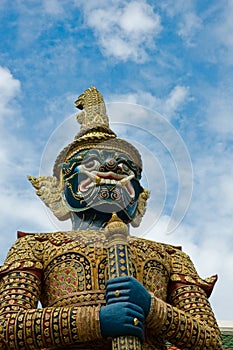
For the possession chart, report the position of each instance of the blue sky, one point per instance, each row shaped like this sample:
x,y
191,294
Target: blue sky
x,y
146,57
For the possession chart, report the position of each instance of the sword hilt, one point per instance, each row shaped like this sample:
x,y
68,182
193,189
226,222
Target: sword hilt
x,y
119,265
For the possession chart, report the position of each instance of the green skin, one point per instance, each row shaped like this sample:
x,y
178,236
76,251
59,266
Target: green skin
x,y
99,182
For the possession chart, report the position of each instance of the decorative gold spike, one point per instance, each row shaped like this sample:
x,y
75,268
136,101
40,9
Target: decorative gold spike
x,y
93,114
49,190
114,218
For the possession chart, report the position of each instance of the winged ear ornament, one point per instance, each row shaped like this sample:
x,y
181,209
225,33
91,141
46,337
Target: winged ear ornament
x,y
141,209
49,190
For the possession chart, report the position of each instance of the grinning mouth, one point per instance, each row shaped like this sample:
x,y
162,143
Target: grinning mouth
x,y
108,178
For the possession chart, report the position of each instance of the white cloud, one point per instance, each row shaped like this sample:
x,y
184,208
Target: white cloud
x,y
221,32
53,7
18,205
124,30
35,18
214,175
138,18
169,105
187,20
9,89
10,113
176,100
174,8
21,210
209,224
219,110
211,28
189,26
2,5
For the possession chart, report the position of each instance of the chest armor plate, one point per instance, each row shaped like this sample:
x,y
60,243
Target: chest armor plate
x,y
76,271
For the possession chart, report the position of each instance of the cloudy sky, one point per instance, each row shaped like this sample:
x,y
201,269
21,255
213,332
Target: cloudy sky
x,y
165,71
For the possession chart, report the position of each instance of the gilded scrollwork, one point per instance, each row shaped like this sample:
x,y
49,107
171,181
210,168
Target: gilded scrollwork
x,y
94,177
49,190
75,271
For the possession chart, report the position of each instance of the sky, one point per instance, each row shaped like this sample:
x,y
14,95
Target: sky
x,y
165,71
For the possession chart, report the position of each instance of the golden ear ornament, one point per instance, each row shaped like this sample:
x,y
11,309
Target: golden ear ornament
x,y
49,189
141,209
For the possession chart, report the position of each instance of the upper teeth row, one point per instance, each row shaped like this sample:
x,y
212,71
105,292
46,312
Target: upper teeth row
x,y
100,181
106,181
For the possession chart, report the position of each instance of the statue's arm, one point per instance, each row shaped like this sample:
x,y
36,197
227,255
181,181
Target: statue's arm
x,y
23,326
188,322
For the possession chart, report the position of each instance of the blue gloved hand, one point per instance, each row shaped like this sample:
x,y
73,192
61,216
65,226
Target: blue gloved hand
x,y
122,318
128,289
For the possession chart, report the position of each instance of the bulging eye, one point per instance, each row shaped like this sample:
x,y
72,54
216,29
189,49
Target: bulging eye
x,y
91,164
124,168
76,169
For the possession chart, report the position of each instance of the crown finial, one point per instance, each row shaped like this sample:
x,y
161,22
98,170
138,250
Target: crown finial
x,y
95,131
93,114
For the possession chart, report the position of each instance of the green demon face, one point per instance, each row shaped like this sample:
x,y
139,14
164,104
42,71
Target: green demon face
x,y
104,180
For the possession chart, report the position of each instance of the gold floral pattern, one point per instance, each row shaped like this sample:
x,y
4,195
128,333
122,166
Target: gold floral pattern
x,y
67,272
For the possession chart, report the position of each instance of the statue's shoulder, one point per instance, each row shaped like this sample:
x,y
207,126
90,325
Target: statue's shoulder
x,y
27,242
28,250
181,268
39,238
183,272
31,236
25,253
152,248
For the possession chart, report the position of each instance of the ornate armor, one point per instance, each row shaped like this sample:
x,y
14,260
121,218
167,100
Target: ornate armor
x,y
67,272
